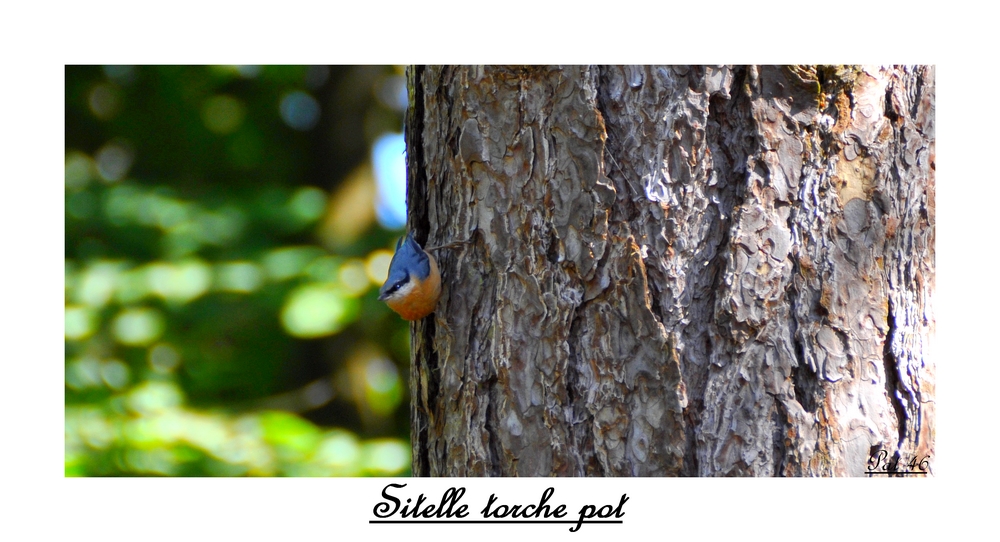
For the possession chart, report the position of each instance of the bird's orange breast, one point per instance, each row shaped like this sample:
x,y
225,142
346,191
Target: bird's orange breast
x,y
422,300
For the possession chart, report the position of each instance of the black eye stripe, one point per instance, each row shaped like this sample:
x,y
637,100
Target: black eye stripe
x,y
395,287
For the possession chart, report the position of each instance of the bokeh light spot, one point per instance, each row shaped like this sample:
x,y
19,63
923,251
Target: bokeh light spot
x,y
317,393
104,101
378,265
392,92
183,240
180,282
165,211
248,71
308,203
81,322
115,374
242,277
131,286
316,310
84,372
223,226
121,204
289,432
97,283
353,277
285,263
351,212
222,114
389,162
206,432
80,170
381,375
323,269
340,449
299,110
138,327
387,456
155,396
114,160
121,73
164,358
156,461
90,426
384,389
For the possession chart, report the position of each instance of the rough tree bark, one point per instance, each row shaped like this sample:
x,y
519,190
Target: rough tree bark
x,y
712,271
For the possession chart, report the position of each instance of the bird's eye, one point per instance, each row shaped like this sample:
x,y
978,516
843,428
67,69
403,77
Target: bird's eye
x,y
395,287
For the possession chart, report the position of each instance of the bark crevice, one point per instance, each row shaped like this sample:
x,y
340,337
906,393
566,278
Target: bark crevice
x,y
420,366
892,384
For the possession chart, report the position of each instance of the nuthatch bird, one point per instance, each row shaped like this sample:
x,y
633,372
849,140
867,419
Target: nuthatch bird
x,y
414,283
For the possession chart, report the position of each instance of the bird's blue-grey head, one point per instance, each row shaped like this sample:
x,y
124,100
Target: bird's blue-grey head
x,y
408,259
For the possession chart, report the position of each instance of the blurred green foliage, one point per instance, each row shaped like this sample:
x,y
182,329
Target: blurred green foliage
x,y
221,275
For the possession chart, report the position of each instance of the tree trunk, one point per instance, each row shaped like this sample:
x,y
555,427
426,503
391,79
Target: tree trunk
x,y
711,271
